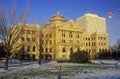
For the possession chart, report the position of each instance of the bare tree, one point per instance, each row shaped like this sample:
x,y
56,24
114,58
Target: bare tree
x,y
11,27
116,49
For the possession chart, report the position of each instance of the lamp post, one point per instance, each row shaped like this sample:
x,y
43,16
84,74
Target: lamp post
x,y
40,46
59,76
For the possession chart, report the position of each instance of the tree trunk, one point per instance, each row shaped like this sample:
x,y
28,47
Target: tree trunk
x,y
39,61
6,61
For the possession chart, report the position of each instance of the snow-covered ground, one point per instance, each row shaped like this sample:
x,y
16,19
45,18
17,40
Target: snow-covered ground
x,y
109,62
100,69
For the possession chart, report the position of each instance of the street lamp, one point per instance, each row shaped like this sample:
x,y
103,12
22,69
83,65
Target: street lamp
x,y
59,76
40,46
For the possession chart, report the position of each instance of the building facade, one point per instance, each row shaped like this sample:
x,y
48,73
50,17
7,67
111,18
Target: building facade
x,y
92,23
28,43
60,36
95,34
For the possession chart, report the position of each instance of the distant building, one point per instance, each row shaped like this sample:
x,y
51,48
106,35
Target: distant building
x,y
95,34
60,36
92,23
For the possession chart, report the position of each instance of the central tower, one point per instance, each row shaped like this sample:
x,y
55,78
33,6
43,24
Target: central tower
x,y
57,19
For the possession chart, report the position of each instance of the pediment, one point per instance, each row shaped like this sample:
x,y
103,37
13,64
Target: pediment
x,y
70,25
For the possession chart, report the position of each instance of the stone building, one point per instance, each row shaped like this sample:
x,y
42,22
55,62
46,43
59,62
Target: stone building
x,y
59,36
28,43
95,34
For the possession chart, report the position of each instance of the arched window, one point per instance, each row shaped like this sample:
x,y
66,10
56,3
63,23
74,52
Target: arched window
x,y
23,39
23,49
50,35
42,35
33,48
50,42
46,41
46,49
42,49
70,35
105,50
63,49
71,50
100,50
86,44
28,48
28,39
50,49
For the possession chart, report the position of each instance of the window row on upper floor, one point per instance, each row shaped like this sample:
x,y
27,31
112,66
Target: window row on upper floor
x,y
50,42
94,38
88,44
70,41
90,50
29,31
47,50
88,38
47,35
28,39
70,35
101,43
29,49
102,50
101,38
51,50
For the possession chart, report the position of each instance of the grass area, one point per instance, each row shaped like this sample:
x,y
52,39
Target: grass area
x,y
66,70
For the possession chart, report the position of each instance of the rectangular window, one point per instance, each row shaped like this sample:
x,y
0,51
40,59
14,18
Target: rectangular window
x,y
50,35
63,56
33,32
70,35
33,39
71,41
86,38
89,44
63,41
89,50
23,31
104,38
23,39
28,31
86,44
77,36
46,35
78,41
28,39
46,41
89,39
50,42
63,33
43,35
